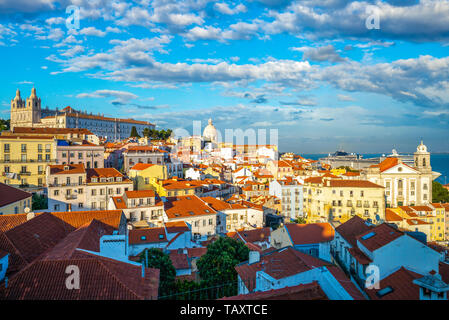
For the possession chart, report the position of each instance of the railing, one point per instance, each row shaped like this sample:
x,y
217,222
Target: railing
x,y
26,161
71,196
25,173
66,184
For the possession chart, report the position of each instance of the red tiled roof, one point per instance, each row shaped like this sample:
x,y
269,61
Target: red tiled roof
x,y
278,264
79,218
101,279
186,206
196,252
86,237
10,195
390,215
255,235
28,240
386,164
340,183
102,173
142,166
352,228
147,235
359,256
55,131
179,260
383,235
176,226
402,284
9,221
309,291
140,194
67,169
310,233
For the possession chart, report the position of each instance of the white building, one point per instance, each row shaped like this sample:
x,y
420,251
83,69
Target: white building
x,y
74,188
290,191
235,216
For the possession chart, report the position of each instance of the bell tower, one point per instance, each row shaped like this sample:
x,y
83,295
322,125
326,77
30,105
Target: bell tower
x,y
33,104
18,108
422,159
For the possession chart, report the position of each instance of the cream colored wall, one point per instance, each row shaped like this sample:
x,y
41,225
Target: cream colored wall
x,y
20,205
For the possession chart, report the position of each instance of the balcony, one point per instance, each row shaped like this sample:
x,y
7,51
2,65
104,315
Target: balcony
x,y
25,173
26,161
71,196
66,184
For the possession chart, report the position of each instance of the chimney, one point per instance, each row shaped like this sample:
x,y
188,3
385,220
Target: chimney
x,y
254,257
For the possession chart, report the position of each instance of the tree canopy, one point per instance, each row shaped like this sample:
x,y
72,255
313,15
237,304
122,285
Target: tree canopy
x,y
4,125
439,193
134,133
157,134
159,260
217,265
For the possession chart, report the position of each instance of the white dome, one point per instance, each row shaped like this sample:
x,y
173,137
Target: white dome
x,y
421,148
210,132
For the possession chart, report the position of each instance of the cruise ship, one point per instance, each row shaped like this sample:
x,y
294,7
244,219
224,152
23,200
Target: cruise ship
x,y
356,161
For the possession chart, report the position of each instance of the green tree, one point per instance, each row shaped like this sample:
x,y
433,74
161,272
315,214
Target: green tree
x,y
217,265
146,132
39,202
300,220
134,133
159,260
439,193
4,125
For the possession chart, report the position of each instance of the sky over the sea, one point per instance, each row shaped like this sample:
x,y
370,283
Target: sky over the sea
x,y
310,68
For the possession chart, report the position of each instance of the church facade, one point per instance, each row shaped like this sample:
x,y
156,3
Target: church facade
x,y
28,113
405,185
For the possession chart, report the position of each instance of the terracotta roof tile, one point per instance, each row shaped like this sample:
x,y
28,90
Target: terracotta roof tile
x,y
353,228
102,279
10,195
147,235
379,236
310,233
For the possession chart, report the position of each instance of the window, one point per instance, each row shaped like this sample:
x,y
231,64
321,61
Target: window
x,y
94,192
6,147
94,205
24,148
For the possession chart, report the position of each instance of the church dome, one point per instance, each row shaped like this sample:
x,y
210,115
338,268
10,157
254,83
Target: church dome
x,y
210,132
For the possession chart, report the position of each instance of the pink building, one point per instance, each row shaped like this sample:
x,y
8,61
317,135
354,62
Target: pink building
x,y
91,155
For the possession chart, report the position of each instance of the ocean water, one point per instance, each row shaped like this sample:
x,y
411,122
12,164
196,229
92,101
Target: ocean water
x,y
438,161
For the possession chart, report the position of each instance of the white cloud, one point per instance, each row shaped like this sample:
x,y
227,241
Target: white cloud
x,y
92,31
120,96
224,8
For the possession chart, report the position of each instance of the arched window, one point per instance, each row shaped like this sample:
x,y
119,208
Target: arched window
x,y
424,162
400,185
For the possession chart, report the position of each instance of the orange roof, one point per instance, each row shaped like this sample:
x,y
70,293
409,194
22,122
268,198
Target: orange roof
x,y
386,164
220,205
9,221
80,218
27,130
176,226
102,173
310,233
340,183
67,169
422,208
142,166
186,206
140,194
390,215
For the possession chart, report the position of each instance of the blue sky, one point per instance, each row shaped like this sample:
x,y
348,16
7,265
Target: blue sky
x,y
311,69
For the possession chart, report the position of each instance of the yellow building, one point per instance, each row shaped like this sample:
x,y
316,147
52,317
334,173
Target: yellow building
x,y
146,175
327,199
338,172
408,221
433,213
177,187
13,200
23,160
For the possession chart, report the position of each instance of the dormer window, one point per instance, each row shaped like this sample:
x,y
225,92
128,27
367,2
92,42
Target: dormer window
x,y
119,179
66,168
94,180
102,179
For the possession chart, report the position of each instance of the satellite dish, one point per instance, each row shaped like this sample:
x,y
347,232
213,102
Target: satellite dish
x,y
26,210
377,217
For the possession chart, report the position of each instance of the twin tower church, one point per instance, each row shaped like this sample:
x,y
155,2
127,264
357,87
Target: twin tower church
x,y
29,113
